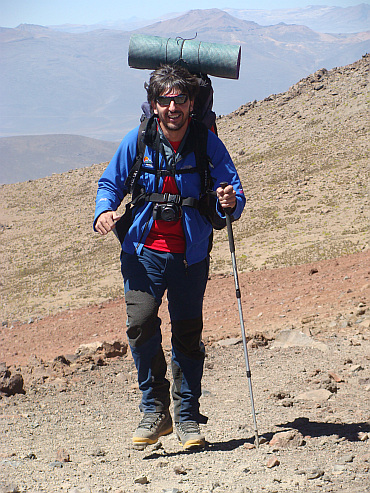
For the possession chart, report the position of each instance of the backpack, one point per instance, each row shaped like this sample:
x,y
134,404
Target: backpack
x,y
204,102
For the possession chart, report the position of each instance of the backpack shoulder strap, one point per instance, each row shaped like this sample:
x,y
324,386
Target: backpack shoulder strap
x,y
134,173
200,138
201,157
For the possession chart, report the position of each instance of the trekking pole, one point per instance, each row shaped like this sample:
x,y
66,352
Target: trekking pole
x,y
238,296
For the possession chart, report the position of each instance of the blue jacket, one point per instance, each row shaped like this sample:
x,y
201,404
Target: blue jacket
x,y
197,228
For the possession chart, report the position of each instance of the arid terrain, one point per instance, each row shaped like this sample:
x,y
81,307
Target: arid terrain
x,y
302,248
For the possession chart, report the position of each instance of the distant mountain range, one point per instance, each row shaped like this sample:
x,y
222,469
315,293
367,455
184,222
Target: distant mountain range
x,y
55,82
317,17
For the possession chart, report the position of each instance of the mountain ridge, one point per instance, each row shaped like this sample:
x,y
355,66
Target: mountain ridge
x,y
319,18
63,83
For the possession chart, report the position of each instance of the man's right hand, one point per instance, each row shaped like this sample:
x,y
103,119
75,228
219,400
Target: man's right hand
x,y
106,222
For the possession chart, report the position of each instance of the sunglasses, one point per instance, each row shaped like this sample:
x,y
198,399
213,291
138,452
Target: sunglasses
x,y
166,100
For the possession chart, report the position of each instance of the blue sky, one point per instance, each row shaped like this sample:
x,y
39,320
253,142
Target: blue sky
x,y
54,12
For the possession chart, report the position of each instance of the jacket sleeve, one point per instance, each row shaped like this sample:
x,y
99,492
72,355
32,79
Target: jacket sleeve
x,y
111,186
223,170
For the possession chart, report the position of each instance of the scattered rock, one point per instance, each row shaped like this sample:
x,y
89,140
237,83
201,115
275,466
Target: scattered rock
x,y
329,385
31,456
104,349
279,395
273,462
362,436
315,474
287,439
179,469
360,311
59,383
343,324
231,341
89,349
115,349
335,377
63,455
287,403
10,385
319,395
98,453
258,340
141,480
56,464
347,361
346,458
308,319
291,338
62,359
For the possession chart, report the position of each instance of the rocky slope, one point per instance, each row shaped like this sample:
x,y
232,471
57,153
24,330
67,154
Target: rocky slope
x,y
303,157
68,391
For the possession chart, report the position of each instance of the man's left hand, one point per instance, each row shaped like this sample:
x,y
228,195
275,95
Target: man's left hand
x,y
227,197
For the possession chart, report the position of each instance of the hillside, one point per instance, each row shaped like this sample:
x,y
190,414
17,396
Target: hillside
x,y
303,157
29,157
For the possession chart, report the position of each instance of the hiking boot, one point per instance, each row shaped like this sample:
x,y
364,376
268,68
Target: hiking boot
x,y
151,427
189,434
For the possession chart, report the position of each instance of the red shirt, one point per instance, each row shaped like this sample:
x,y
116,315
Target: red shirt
x,y
167,236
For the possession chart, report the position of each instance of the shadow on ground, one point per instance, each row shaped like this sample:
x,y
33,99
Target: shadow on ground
x,y
349,431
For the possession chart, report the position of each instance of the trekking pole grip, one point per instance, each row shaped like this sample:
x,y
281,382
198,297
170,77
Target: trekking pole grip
x,y
230,233
227,211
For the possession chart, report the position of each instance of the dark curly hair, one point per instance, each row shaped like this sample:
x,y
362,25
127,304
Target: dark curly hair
x,y
168,77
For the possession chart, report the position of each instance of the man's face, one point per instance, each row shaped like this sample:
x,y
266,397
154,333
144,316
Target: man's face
x,y
174,117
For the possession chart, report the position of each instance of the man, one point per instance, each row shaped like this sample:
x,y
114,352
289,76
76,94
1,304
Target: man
x,y
167,248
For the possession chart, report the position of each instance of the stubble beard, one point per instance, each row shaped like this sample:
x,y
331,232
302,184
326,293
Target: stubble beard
x,y
174,124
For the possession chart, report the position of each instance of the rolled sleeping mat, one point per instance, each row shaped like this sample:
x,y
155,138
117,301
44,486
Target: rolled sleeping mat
x,y
219,60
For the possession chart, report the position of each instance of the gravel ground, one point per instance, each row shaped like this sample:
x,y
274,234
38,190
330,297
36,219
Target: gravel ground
x,y
71,431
